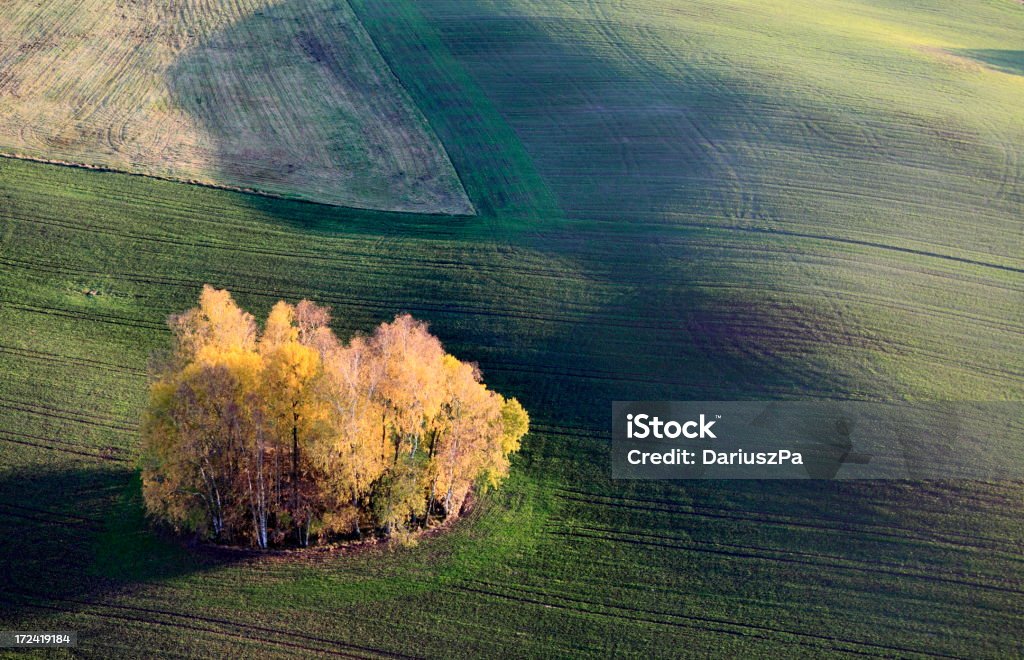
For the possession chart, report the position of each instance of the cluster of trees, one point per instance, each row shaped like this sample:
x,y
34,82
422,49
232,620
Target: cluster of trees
x,y
288,435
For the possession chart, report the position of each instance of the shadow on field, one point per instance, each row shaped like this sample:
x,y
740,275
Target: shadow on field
x,y
651,170
654,169
73,536
291,101
643,164
1007,61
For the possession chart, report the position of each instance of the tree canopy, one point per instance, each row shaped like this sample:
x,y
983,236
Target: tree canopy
x,y
287,435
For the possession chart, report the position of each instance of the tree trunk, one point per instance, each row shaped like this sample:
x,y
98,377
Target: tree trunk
x,y
258,506
355,525
261,527
430,501
433,483
213,502
277,473
295,476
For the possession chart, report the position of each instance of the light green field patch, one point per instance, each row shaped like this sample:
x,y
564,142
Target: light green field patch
x,y
290,98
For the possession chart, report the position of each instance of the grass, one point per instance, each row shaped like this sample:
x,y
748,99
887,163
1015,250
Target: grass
x,y
723,200
286,98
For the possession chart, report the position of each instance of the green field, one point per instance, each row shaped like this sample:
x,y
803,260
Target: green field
x,y
708,201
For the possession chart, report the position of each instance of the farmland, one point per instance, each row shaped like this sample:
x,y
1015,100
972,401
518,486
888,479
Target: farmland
x,y
190,90
710,200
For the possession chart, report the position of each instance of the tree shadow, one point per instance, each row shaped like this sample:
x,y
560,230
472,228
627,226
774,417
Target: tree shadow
x,y
649,182
629,176
664,204
659,209
292,101
77,535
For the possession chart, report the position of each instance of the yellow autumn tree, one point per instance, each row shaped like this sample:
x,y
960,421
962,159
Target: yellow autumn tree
x,y
348,448
203,415
294,414
410,393
286,433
